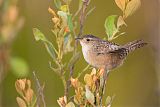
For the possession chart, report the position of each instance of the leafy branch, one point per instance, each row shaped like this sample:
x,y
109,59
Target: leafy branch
x,y
91,92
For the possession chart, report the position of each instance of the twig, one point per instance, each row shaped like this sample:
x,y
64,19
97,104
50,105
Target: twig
x,y
82,16
40,90
69,81
105,76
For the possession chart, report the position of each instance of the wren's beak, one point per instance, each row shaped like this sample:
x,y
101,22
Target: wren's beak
x,y
78,38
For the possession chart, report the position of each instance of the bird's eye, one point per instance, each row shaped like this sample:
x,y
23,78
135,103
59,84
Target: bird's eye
x,y
88,39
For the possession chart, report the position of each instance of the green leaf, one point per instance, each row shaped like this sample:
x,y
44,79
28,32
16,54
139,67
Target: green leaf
x,y
70,24
67,44
110,26
64,8
57,3
19,67
50,49
39,36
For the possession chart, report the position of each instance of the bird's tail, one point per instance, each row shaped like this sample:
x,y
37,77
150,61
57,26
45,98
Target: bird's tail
x,y
131,46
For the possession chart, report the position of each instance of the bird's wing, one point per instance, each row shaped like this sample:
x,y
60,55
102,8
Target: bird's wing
x,y
121,52
104,47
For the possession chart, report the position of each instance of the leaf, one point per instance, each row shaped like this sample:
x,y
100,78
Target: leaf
x,y
89,95
80,4
19,66
108,101
110,26
57,3
21,102
39,36
67,44
64,8
62,14
121,4
70,104
131,7
88,79
70,24
120,22
50,49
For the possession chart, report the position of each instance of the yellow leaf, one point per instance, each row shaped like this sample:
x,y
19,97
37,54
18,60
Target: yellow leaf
x,y
121,4
70,104
93,71
52,12
120,22
88,79
131,7
21,102
64,8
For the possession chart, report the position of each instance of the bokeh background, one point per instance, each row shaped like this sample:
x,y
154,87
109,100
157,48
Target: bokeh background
x,y
135,84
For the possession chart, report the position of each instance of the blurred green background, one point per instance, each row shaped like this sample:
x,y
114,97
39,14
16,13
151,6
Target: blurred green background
x,y
135,84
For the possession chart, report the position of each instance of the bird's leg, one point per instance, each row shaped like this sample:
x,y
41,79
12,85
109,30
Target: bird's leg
x,y
105,75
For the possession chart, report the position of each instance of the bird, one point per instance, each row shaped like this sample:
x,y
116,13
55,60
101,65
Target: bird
x,y
104,54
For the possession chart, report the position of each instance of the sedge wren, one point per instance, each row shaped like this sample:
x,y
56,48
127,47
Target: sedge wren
x,y
104,54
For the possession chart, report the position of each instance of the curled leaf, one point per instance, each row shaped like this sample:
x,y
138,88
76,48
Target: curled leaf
x,y
131,7
121,4
21,102
120,22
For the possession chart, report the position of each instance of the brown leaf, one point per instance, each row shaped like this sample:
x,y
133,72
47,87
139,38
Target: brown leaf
x,y
29,95
121,4
29,83
131,7
20,85
21,102
52,12
120,22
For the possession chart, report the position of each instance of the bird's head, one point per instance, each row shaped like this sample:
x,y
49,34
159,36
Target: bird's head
x,y
87,40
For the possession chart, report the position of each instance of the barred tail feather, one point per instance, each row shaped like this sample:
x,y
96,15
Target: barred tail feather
x,y
131,46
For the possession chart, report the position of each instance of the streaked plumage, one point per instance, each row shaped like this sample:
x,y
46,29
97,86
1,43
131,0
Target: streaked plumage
x,y
104,54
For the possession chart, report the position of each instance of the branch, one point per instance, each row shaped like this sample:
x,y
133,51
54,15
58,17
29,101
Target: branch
x,y
82,19
40,90
82,16
105,76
